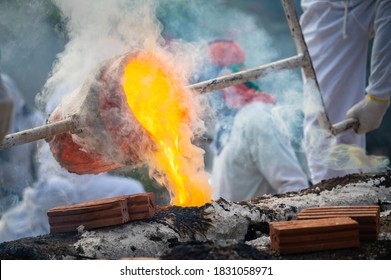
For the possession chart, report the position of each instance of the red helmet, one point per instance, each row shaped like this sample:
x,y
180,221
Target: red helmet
x,y
225,53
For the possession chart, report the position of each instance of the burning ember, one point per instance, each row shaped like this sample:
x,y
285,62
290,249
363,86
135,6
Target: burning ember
x,y
135,109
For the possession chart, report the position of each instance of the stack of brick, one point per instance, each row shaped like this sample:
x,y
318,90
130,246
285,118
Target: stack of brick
x,y
102,213
368,217
300,236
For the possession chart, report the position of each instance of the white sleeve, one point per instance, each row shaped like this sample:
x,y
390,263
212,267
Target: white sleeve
x,y
380,78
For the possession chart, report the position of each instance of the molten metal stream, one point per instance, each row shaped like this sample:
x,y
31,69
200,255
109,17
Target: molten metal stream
x,y
161,103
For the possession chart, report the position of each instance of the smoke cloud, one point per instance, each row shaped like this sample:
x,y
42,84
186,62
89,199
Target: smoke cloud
x,y
99,30
29,43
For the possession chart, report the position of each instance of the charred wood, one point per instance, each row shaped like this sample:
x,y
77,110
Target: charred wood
x,y
220,230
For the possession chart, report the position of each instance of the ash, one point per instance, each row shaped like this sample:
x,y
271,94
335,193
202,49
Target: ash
x,y
226,224
219,230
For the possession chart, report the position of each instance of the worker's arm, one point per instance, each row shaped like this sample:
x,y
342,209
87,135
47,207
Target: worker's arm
x,y
370,111
5,110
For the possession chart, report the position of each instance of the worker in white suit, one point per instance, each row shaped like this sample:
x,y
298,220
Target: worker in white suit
x,y
253,157
337,34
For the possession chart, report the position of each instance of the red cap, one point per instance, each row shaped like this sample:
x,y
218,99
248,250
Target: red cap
x,y
224,53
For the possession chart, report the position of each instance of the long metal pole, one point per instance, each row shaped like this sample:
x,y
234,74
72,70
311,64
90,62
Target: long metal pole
x,y
247,75
309,72
301,48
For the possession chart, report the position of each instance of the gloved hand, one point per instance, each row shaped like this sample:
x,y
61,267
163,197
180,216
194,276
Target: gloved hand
x,y
5,111
369,112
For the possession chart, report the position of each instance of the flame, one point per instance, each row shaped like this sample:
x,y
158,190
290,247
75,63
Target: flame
x,y
160,102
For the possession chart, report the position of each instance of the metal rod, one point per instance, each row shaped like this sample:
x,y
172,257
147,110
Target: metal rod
x,y
344,126
41,132
301,47
247,75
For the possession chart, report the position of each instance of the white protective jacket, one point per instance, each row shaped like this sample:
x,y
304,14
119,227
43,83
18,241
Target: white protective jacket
x,y
257,159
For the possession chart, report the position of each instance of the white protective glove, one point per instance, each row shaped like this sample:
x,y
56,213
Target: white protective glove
x,y
6,105
369,112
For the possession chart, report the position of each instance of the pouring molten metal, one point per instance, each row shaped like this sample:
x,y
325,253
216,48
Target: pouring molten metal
x,y
133,110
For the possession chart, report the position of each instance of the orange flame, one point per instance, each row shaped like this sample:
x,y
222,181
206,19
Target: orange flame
x,y
160,102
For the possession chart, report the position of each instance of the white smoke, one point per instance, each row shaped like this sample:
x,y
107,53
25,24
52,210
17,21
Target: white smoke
x,y
29,43
99,30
